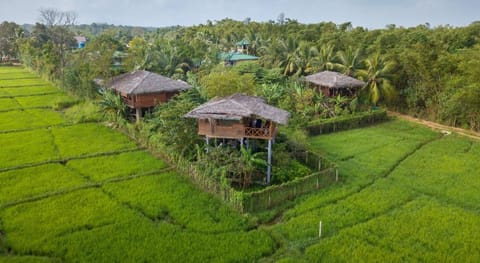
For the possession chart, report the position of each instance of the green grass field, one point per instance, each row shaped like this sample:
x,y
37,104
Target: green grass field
x,y
408,194
86,193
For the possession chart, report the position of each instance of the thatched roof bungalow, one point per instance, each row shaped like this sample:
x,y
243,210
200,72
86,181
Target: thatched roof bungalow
x,y
333,83
238,116
142,89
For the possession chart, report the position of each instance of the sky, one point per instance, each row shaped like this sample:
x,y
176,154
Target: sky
x,y
159,13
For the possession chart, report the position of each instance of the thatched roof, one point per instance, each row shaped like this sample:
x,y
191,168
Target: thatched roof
x,y
335,80
238,106
143,82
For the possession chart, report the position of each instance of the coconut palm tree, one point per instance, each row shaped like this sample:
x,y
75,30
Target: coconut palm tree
x,y
376,75
349,61
325,58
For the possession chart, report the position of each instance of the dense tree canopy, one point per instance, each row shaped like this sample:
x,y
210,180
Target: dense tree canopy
x,y
430,71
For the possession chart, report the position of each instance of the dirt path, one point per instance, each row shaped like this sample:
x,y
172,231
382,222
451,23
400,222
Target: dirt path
x,y
437,126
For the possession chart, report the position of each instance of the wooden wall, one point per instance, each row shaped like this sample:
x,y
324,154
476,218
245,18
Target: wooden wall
x,y
235,131
147,100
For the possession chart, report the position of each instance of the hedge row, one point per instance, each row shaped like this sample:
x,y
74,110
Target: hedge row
x,y
346,122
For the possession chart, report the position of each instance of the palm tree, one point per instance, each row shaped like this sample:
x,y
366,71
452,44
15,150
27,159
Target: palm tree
x,y
349,61
250,162
377,77
325,58
289,56
112,104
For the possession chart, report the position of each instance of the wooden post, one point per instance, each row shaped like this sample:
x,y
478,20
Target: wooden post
x,y
208,143
138,114
320,229
269,161
336,174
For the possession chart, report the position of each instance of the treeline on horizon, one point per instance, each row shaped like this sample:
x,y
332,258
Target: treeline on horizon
x,y
434,71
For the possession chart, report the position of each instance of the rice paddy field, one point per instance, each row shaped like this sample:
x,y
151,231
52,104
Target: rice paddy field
x,y
86,193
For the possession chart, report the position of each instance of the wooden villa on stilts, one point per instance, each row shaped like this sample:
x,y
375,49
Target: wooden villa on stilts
x,y
240,117
332,84
142,90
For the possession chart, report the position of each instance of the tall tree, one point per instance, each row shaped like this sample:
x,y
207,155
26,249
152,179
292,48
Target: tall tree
x,y
325,58
9,34
349,61
377,76
59,24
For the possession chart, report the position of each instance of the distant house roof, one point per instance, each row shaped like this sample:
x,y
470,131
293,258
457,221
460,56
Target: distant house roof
x,y
332,79
242,42
236,56
238,106
80,39
143,82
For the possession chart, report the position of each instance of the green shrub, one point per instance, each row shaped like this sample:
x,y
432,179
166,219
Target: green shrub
x,y
346,122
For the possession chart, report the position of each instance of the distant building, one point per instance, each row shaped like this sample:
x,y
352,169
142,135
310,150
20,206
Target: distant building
x,y
81,41
231,58
240,54
242,46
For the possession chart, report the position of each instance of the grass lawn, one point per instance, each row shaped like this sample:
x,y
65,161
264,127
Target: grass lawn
x,y
16,185
9,104
117,165
27,147
29,90
6,83
88,139
408,193
48,101
29,119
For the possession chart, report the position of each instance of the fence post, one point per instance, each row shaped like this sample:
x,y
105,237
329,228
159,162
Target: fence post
x,y
320,229
269,200
319,164
336,174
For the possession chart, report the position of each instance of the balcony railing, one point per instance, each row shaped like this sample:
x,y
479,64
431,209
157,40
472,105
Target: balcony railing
x,y
257,132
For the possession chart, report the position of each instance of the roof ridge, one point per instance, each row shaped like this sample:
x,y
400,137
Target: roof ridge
x,y
241,105
143,79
